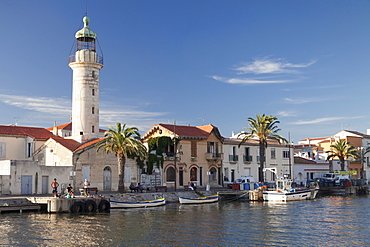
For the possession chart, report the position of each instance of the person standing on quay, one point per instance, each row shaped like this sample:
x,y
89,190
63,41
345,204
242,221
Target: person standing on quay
x,y
54,185
86,187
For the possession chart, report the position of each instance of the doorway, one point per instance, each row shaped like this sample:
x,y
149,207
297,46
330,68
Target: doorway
x,y
107,179
26,184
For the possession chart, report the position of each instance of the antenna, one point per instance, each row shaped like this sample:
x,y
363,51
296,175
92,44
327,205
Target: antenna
x,y
15,121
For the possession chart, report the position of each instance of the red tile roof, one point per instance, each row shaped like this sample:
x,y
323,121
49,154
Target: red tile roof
x,y
36,133
68,126
188,131
90,143
183,131
358,133
68,143
301,160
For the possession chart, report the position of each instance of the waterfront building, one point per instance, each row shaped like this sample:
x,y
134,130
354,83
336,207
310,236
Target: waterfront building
x,y
20,173
307,169
195,155
244,160
316,149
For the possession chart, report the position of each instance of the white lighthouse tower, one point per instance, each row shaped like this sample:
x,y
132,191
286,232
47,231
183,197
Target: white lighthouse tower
x,y
86,64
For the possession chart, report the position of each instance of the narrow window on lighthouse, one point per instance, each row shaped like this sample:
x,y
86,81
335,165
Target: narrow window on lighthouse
x,y
93,74
92,129
93,92
92,110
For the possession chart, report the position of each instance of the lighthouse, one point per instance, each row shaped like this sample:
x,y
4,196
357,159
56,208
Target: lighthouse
x,y
86,64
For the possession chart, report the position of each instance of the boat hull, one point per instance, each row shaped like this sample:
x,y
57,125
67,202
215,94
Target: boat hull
x,y
139,204
284,196
197,200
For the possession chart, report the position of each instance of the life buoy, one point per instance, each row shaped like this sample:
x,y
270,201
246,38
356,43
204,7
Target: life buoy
x,y
104,206
77,207
90,206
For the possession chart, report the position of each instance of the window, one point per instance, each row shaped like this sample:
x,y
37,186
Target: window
x,y
93,92
193,149
92,129
193,174
285,154
212,147
247,156
93,74
29,150
170,174
273,153
2,150
93,110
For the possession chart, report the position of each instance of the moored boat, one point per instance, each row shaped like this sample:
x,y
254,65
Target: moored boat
x,y
203,199
138,204
285,192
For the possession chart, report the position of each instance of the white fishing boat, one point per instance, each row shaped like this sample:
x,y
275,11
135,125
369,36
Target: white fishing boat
x,y
203,199
138,204
285,192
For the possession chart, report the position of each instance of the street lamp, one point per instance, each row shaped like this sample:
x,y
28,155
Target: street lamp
x,y
173,137
360,149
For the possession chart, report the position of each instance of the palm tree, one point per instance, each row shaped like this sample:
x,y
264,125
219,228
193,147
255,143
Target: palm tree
x,y
124,143
342,150
264,128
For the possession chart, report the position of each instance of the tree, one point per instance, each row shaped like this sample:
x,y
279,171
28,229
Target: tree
x,y
156,148
342,150
124,143
264,128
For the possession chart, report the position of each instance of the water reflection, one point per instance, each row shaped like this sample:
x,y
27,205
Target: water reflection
x,y
328,221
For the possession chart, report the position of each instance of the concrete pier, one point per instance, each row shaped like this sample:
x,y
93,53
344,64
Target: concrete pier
x,y
73,205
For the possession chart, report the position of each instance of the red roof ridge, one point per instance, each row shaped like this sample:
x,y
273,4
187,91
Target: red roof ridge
x,y
89,143
34,132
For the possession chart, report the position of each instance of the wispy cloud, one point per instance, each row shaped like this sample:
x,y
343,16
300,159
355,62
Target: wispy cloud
x,y
323,120
246,80
55,106
45,110
271,66
266,66
303,100
286,114
313,88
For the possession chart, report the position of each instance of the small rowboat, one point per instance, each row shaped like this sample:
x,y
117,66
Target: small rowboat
x,y
204,199
138,204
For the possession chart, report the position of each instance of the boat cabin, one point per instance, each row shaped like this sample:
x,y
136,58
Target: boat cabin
x,y
284,184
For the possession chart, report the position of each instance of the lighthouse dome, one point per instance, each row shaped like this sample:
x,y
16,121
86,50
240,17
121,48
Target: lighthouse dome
x,y
86,33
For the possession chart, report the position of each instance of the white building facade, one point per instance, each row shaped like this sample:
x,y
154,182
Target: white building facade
x,y
244,160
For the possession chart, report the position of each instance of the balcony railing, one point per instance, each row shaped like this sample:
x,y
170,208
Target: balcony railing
x,y
247,158
233,158
95,59
214,156
170,156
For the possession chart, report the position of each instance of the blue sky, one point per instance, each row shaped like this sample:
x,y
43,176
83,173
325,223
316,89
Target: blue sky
x,y
196,62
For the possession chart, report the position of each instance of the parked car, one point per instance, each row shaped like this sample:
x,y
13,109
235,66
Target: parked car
x,y
245,179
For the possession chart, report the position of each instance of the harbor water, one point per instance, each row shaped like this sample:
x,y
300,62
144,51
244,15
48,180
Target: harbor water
x,y
326,221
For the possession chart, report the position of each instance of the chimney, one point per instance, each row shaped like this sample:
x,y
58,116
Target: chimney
x,y
55,130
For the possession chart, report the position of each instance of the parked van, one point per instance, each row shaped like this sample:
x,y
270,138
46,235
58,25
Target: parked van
x,y
330,176
341,178
245,179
